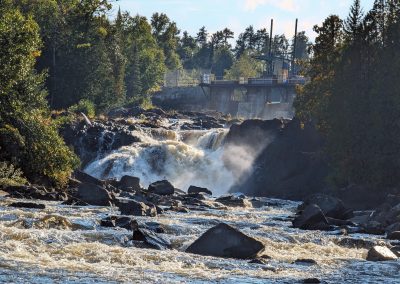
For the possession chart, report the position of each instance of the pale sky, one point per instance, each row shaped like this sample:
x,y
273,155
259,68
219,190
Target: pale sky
x,y
190,15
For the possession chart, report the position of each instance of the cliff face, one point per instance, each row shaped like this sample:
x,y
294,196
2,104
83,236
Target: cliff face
x,y
289,163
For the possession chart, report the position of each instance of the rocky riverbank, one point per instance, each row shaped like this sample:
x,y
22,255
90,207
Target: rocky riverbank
x,y
264,238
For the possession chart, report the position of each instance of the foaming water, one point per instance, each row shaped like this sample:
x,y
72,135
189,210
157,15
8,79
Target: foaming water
x,y
183,157
65,244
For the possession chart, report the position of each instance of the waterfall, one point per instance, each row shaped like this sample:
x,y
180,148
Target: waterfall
x,y
184,157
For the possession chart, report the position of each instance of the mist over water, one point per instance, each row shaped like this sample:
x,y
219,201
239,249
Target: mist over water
x,y
184,157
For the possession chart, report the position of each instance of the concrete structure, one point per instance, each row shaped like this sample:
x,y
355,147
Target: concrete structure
x,y
264,98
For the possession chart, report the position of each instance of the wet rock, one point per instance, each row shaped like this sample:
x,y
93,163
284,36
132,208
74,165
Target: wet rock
x,y
135,208
226,241
195,197
85,178
195,189
234,201
356,243
94,195
155,227
179,209
311,218
394,235
129,183
374,227
305,261
338,222
117,221
380,253
162,187
258,261
311,280
396,250
361,217
392,228
27,205
149,238
331,206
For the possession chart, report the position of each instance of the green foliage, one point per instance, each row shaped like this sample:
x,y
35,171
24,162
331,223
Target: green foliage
x,y
141,101
353,96
29,137
245,66
10,176
84,106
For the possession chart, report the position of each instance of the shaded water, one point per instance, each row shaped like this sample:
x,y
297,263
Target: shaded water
x,y
66,244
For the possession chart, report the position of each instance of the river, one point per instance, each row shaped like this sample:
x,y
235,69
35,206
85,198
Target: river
x,y
66,244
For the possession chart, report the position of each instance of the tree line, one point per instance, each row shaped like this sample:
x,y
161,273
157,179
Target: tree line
x,y
353,97
91,55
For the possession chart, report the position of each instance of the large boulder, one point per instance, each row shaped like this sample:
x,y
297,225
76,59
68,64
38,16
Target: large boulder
x,y
311,218
195,189
380,253
86,178
288,162
331,206
226,241
94,195
135,208
162,187
129,183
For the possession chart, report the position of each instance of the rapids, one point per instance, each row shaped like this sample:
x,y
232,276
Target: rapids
x,y
65,244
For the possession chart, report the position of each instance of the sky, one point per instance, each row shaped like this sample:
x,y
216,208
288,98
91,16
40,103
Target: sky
x,y
215,15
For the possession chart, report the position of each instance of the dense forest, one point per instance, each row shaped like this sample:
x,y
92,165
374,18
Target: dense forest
x,y
353,96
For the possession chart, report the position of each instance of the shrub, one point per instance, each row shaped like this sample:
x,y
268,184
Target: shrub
x,y
85,106
142,101
9,175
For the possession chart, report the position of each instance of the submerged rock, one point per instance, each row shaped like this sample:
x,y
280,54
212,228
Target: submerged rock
x,y
162,187
27,205
226,241
195,189
94,195
305,261
380,253
311,280
311,218
356,243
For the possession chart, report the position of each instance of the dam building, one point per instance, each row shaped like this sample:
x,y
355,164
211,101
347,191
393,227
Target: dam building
x,y
266,97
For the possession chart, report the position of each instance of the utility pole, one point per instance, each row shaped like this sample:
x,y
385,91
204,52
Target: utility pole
x,y
294,50
270,67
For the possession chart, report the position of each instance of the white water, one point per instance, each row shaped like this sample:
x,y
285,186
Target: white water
x,y
185,158
65,244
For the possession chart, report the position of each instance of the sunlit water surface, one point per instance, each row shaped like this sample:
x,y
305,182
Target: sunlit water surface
x,y
65,244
